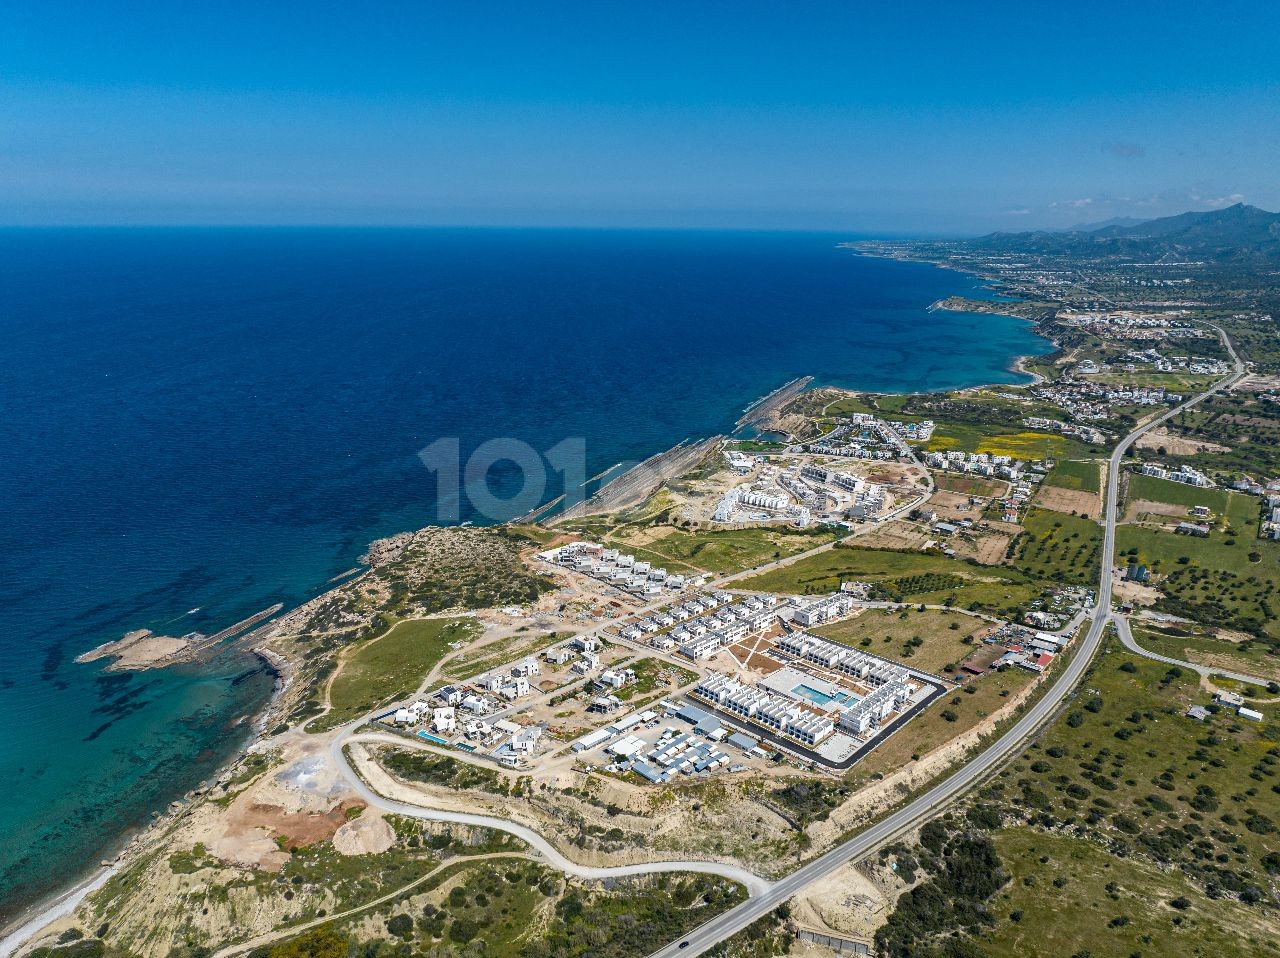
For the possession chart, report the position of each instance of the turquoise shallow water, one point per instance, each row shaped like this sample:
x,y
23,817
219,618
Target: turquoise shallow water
x,y
216,420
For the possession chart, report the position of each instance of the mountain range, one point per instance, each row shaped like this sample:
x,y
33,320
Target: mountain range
x,y
1238,234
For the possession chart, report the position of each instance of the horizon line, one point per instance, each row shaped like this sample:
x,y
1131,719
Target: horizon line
x,y
494,227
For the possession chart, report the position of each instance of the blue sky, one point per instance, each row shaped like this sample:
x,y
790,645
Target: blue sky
x,y
869,118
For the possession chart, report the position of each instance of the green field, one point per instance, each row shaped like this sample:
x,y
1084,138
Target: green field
x,y
1227,579
1083,474
1058,547
1180,494
417,765
926,640
1179,381
755,445
996,589
720,551
509,908
888,405
1193,644
949,716
969,485
1064,907
390,667
1126,829
1244,423
493,654
1126,766
1004,441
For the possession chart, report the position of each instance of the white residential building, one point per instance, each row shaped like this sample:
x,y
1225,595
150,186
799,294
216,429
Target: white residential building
x,y
526,668
444,720
701,647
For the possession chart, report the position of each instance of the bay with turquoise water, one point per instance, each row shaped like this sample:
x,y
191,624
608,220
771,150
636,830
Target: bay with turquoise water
x,y
196,424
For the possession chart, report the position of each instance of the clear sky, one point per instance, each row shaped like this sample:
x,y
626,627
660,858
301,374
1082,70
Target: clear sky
x,y
866,117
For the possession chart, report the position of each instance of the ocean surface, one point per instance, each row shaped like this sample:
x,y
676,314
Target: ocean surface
x,y
195,424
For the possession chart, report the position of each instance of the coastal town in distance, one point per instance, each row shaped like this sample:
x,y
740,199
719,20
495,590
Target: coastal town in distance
x,y
985,672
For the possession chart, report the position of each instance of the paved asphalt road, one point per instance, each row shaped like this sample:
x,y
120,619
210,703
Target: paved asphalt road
x,y
755,885
736,919
1130,643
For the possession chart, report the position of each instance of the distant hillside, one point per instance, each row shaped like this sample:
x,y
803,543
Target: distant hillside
x,y
1238,234
1094,227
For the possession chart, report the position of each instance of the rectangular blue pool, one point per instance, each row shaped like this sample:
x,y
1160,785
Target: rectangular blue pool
x,y
820,698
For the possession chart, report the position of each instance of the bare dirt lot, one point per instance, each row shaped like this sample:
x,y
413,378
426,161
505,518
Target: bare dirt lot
x,y
1138,508
302,803
1068,500
1177,445
987,545
1136,593
954,505
366,835
846,902
895,535
1258,382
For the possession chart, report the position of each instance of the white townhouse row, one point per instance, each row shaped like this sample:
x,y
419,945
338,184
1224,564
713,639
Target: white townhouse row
x,y
842,480
617,569
1187,475
869,502
980,464
868,497
754,705
691,612
852,450
727,505
824,610
770,501
697,642
869,711
764,500
1084,433
841,658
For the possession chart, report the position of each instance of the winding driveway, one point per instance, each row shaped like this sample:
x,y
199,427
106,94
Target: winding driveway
x,y
1206,671
543,849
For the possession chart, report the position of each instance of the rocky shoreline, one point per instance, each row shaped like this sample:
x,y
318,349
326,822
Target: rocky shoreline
x,y
38,917
140,649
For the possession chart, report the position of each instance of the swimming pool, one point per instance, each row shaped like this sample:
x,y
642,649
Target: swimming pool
x,y
820,698
433,738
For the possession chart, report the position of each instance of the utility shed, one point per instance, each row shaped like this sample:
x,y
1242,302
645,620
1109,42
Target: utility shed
x,y
1250,714
592,740
646,770
691,713
708,725
742,741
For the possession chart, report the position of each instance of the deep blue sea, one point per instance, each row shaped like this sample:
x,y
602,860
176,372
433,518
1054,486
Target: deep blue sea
x,y
222,419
